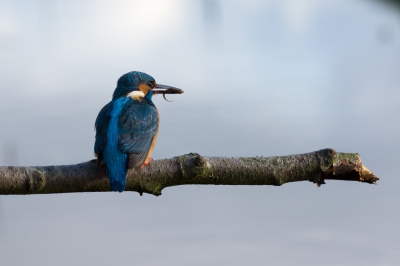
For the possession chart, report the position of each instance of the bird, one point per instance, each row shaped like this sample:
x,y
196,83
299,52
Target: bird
x,y
127,127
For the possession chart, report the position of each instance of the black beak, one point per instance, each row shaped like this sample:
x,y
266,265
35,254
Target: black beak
x,y
165,89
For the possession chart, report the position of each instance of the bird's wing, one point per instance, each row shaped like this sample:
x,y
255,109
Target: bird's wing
x,y
101,126
138,124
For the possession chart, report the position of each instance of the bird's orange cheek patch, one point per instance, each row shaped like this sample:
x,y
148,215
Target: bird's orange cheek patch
x,y
144,88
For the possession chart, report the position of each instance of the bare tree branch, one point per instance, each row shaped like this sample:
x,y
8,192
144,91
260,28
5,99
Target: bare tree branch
x,y
189,169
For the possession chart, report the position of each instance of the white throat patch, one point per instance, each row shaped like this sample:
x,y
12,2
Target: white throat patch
x,y
136,95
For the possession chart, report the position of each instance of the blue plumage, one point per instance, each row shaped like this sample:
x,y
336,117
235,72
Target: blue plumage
x,y
127,127
115,160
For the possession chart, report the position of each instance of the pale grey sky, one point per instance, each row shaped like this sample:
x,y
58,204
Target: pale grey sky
x,y
261,78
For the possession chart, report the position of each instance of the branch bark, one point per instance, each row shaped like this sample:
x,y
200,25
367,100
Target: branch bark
x,y
187,169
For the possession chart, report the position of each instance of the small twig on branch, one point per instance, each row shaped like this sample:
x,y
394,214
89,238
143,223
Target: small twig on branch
x,y
187,169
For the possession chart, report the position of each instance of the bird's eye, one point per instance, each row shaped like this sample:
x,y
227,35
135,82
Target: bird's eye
x,y
151,84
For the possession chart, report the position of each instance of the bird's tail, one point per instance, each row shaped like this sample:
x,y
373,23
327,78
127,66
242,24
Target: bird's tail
x,y
117,186
116,172
117,180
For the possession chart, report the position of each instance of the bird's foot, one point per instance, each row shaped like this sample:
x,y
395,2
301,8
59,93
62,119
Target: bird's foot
x,y
146,163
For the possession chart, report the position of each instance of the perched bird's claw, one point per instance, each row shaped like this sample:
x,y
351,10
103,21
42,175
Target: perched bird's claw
x,y
146,163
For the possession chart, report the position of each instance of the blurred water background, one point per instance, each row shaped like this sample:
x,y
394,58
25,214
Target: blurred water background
x,y
261,78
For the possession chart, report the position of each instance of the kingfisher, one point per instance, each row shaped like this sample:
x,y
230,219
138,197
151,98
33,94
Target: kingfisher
x,y
127,127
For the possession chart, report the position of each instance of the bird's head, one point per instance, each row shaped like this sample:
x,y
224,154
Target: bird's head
x,y
138,85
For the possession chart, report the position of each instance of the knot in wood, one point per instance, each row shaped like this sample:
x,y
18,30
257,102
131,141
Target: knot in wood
x,y
193,165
